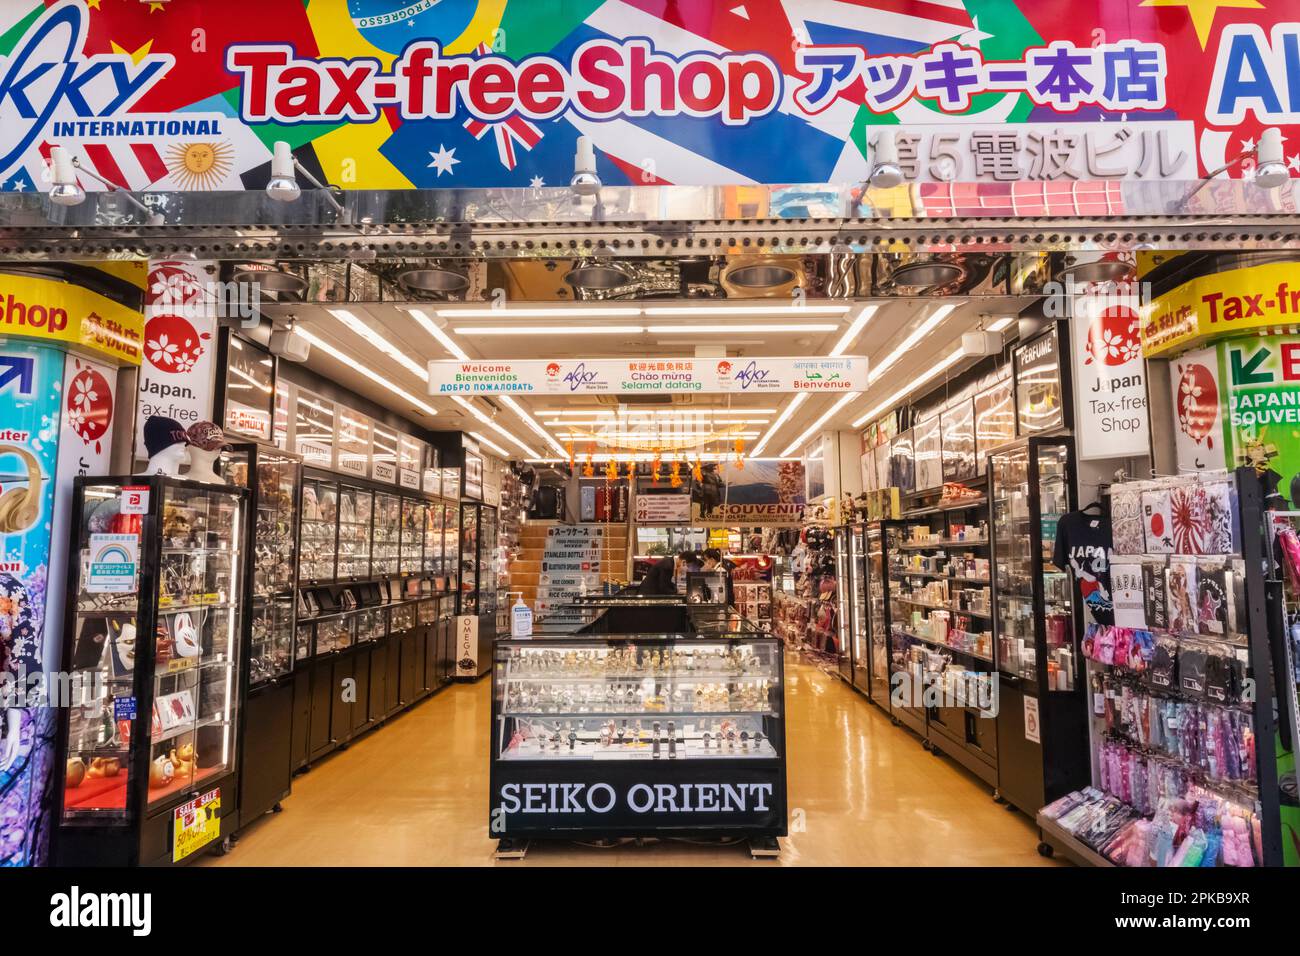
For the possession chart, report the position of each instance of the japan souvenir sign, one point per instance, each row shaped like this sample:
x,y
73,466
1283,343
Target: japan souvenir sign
x,y
457,93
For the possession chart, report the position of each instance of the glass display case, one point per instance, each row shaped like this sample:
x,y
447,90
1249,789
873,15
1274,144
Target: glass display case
x,y
355,508
412,537
387,530
469,559
488,579
273,478
1041,721
675,733
843,649
154,648
878,684
335,633
318,535
370,624
433,569
1034,615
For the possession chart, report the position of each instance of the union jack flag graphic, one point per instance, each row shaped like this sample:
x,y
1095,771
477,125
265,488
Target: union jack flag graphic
x,y
511,130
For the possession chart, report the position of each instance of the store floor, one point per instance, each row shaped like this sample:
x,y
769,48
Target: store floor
x,y
862,792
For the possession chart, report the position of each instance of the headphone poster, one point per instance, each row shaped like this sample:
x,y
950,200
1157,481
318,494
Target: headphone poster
x,y
57,423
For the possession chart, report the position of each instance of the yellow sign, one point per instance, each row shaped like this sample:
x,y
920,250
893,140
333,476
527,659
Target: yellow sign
x,y
1257,299
50,311
196,824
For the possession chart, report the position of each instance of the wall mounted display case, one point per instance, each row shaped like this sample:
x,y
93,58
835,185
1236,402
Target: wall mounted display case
x,y
654,735
386,546
355,511
1041,724
149,750
412,537
274,480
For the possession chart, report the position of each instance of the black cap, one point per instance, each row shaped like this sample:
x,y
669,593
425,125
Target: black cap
x,y
161,433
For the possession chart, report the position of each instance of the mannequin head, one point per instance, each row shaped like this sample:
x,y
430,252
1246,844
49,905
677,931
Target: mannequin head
x,y
165,441
206,441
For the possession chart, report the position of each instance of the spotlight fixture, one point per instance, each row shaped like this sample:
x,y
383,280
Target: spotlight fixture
x,y
885,171
1271,171
283,184
585,182
66,191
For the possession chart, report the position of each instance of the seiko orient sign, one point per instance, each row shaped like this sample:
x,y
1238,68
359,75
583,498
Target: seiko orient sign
x,y
644,799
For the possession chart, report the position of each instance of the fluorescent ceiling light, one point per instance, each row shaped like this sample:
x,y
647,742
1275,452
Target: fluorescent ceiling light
x,y
920,332
1000,324
370,373
809,309
714,329
567,312
549,330
359,327
854,330
642,456
473,410
825,417
643,421
528,420
685,410
441,337
484,440
781,420
910,387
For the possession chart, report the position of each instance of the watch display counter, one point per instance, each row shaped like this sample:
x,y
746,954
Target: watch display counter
x,y
156,644
637,735
381,615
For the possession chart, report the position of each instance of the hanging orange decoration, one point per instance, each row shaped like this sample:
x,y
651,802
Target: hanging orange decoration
x,y
631,469
675,474
568,446
655,469
740,454
611,470
697,470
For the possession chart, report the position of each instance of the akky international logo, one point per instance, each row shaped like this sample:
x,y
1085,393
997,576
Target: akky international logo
x,y
49,76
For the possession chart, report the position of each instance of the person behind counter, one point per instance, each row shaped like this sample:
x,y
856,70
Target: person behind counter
x,y
661,579
714,561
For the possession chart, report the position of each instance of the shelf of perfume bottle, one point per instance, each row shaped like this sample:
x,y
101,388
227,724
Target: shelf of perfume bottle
x,y
986,614
936,576
593,750
953,543
940,645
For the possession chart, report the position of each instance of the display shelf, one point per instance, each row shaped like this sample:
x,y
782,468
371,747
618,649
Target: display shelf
x,y
1078,851
932,642
967,505
907,573
954,544
986,615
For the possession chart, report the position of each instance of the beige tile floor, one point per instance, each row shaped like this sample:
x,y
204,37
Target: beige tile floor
x,y
415,793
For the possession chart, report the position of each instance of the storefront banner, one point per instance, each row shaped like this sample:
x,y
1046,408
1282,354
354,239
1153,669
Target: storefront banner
x,y
663,509
623,376
467,645
760,493
60,313
176,375
31,402
1200,440
380,95
1038,384
1263,400
1257,298
1111,414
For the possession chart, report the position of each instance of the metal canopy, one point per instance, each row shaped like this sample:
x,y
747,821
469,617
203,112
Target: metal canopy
x,y
660,220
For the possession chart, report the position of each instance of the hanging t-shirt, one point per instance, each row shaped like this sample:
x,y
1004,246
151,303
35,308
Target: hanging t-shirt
x,y
1083,543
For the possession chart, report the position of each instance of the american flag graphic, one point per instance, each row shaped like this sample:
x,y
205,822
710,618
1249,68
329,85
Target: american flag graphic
x,y
131,166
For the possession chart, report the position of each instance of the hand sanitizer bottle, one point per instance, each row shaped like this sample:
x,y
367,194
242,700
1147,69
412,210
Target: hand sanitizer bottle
x,y
521,617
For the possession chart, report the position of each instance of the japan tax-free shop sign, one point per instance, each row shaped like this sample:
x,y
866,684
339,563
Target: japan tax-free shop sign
x,y
383,95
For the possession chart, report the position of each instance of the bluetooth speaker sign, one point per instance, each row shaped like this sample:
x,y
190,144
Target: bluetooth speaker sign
x,y
376,94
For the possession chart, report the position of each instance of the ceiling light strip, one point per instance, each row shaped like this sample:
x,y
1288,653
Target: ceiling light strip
x,y
855,329
780,420
825,417
556,313
441,337
728,329
473,410
549,330
484,440
810,308
911,387
528,420
920,332
350,361
357,326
